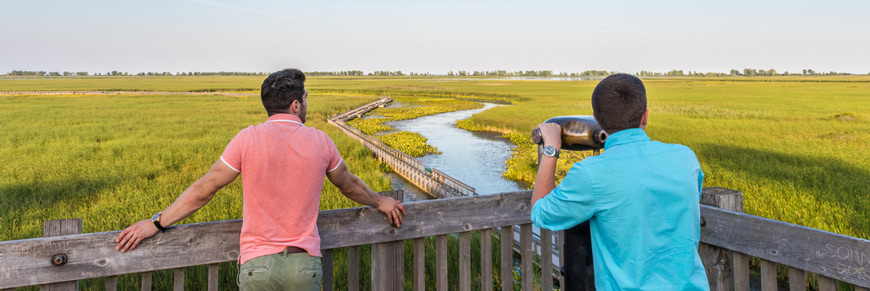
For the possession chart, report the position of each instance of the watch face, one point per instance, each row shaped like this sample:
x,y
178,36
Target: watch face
x,y
549,151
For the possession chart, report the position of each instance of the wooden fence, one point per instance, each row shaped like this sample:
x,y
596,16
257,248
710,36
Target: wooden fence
x,y
731,237
434,182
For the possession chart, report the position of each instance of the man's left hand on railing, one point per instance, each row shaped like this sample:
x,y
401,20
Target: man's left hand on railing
x,y
131,236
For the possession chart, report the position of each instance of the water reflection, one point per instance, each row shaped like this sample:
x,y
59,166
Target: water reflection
x,y
475,158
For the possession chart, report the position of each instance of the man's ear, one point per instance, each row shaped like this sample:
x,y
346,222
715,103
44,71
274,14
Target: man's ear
x,y
643,119
294,107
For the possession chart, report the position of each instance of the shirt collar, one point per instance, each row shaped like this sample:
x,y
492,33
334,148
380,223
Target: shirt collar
x,y
283,117
625,136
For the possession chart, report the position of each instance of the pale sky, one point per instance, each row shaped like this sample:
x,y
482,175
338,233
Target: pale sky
x,y
434,36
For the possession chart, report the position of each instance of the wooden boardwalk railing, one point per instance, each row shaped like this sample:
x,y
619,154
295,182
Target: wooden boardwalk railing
x,y
434,182
804,250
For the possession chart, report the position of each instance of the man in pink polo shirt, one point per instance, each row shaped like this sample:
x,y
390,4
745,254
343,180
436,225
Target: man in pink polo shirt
x,y
284,165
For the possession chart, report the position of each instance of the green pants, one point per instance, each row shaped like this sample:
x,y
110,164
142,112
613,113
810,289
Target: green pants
x,y
281,271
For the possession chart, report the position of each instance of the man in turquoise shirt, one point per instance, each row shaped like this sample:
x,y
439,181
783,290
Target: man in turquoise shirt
x,y
641,197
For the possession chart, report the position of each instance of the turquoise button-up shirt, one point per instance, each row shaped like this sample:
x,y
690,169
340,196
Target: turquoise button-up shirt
x,y
641,198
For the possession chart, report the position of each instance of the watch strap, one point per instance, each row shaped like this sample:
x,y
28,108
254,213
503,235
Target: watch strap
x,y
156,221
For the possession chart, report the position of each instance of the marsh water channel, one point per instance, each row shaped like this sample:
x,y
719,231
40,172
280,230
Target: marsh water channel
x,y
475,158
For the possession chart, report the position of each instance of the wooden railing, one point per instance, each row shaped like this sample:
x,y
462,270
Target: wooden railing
x,y
434,182
738,235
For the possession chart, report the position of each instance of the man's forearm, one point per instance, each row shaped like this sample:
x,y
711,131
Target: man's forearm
x,y
360,193
192,199
545,181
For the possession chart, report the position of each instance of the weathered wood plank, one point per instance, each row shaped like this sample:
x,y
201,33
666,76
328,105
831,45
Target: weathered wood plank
x,y
486,260
797,279
716,260
740,267
527,258
146,281
507,257
768,275
353,268
213,277
828,254
827,284
420,264
59,228
111,283
178,279
441,262
465,261
327,263
546,259
26,262
560,243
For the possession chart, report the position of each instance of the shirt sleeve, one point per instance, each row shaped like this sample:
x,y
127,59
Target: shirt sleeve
x,y
700,182
232,155
334,156
571,203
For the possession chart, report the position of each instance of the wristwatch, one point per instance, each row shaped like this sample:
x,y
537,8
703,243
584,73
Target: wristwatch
x,y
156,220
551,151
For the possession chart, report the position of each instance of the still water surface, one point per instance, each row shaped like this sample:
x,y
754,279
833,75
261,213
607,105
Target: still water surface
x,y
475,158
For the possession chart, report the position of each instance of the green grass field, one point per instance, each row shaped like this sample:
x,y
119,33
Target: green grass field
x,y
796,146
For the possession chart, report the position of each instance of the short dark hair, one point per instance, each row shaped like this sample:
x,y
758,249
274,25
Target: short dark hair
x,y
618,102
280,89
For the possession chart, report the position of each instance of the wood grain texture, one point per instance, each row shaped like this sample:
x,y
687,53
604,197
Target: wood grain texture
x,y
828,254
353,268
717,261
507,257
768,275
827,284
26,262
797,279
546,259
527,259
441,262
60,227
146,281
486,260
465,261
111,283
213,277
178,279
420,264
740,268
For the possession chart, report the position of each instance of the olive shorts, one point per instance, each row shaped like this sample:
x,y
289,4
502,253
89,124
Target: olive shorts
x,y
281,271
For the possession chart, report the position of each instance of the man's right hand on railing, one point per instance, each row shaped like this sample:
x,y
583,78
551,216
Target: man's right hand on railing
x,y
131,236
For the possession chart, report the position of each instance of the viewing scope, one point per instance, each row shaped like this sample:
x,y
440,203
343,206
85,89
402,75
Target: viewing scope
x,y
579,133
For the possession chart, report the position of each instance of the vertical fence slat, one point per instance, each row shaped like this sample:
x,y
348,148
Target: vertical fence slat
x,y
213,277
146,281
486,260
111,283
441,261
827,284
57,228
178,279
327,264
465,261
768,275
857,288
797,279
546,259
526,253
353,268
740,267
717,260
420,264
507,257
388,259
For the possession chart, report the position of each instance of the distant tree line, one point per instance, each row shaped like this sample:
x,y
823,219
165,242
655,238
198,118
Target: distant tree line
x,y
497,73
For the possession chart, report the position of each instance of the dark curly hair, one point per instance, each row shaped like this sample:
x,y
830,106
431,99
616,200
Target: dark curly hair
x,y
280,89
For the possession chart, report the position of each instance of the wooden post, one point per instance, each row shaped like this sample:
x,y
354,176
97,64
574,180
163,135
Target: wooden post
x,y
717,261
465,261
328,283
420,264
797,279
178,279
546,259
213,277
507,257
526,257
441,262
58,228
486,260
388,259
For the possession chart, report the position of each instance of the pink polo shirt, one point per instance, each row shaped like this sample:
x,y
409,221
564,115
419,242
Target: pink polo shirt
x,y
283,165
